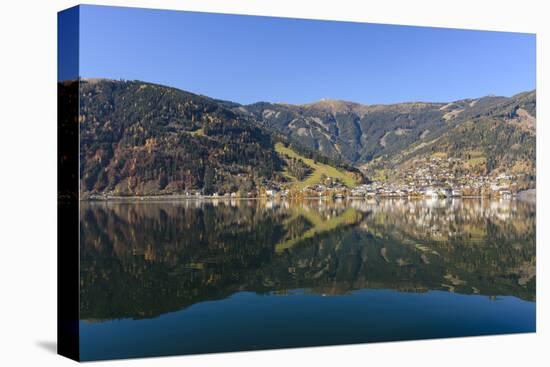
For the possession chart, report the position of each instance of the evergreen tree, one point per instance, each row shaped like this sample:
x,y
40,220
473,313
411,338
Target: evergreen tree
x,y
208,187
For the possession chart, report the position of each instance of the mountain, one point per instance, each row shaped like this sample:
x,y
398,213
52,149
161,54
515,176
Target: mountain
x,y
359,133
489,137
140,138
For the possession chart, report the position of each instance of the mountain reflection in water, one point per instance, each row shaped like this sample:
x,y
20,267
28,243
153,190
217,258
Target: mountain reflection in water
x,y
142,260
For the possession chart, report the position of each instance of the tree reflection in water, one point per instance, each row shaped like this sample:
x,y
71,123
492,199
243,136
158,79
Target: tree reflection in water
x,y
140,260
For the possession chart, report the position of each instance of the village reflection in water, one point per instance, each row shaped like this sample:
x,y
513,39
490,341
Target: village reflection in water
x,y
167,256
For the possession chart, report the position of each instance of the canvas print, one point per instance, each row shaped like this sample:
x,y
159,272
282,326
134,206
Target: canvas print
x,y
234,183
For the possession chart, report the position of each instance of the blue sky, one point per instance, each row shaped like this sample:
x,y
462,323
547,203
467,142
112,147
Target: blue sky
x,y
248,59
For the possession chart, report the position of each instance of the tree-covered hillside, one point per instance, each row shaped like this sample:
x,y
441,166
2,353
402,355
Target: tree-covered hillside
x,y
140,138
359,134
492,140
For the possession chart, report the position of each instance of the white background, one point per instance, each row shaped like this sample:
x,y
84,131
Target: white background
x,y
28,182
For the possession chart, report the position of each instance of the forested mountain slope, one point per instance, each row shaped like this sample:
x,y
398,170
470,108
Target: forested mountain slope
x,y
360,133
139,138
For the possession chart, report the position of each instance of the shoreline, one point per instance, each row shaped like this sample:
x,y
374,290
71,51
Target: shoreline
x,y
168,198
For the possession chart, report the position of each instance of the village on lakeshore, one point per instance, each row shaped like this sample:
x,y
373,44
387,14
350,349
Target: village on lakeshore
x,y
432,179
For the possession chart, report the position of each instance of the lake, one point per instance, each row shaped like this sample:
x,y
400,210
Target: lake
x,y
198,276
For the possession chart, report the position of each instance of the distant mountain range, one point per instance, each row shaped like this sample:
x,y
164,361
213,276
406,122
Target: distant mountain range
x,y
139,138
504,128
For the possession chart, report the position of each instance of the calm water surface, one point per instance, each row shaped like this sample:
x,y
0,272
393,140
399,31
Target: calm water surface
x,y
195,277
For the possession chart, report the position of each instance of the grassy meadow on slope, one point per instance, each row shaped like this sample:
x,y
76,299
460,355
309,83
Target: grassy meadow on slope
x,y
319,170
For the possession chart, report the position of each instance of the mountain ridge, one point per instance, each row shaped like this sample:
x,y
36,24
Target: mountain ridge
x,y
320,101
358,133
143,138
